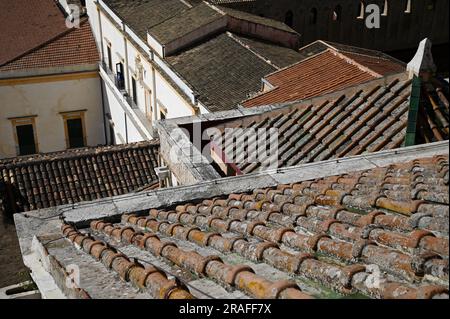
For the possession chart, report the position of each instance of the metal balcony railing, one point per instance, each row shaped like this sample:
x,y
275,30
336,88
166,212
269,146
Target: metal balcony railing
x,y
128,99
119,82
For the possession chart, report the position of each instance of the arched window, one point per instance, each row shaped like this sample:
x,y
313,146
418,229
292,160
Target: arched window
x,y
408,6
385,8
337,13
289,18
313,16
361,9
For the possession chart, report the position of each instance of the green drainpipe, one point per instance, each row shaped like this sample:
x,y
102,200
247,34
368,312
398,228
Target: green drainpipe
x,y
414,103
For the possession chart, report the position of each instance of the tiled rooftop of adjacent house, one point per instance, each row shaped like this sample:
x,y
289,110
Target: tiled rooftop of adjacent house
x,y
19,24
73,47
39,38
141,15
72,176
257,19
378,233
212,66
278,56
367,118
209,63
312,77
185,22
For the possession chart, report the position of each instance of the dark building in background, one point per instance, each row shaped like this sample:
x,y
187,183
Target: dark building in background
x,y
404,23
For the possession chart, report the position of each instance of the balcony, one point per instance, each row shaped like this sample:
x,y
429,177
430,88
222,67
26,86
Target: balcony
x,y
135,114
119,82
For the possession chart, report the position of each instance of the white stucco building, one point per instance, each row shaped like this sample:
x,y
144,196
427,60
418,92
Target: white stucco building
x,y
173,58
50,92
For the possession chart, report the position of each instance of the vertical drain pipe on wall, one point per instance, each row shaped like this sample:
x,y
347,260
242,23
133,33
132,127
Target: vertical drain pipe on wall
x,y
155,97
127,74
127,70
104,113
102,58
126,127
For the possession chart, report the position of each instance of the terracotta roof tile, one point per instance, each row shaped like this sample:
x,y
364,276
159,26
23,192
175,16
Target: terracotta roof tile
x,y
73,176
325,72
379,65
362,119
433,117
329,233
74,47
142,15
212,66
27,24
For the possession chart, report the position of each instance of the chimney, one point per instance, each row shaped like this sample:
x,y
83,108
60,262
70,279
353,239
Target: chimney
x,y
422,65
163,174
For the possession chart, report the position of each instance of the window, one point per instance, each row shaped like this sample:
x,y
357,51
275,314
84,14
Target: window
x,y
148,104
25,135
289,18
134,90
74,129
120,78
385,8
408,6
313,16
337,13
109,57
361,8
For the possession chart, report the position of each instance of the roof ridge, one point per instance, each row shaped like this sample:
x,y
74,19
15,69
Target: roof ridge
x,y
46,43
355,63
362,51
231,35
75,153
169,18
187,4
295,64
382,56
377,82
284,69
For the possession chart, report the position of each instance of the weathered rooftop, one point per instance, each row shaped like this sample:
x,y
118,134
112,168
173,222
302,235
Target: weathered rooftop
x,y
75,47
312,76
19,25
364,119
184,23
47,180
141,15
39,38
201,43
319,231
221,79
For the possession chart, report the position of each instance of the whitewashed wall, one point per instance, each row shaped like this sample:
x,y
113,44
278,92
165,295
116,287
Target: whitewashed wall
x,y
162,92
46,100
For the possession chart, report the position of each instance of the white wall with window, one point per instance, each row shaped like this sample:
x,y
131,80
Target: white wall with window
x,y
132,115
51,113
